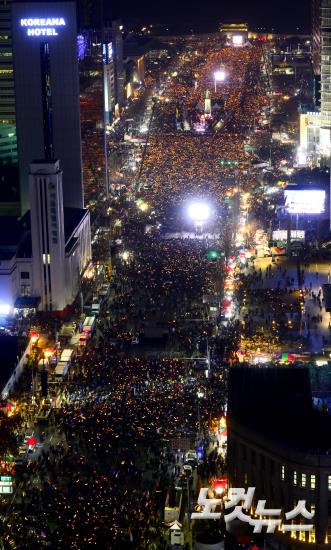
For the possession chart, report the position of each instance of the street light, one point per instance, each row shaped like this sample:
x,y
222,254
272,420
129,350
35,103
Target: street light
x,y
199,212
125,255
219,76
142,205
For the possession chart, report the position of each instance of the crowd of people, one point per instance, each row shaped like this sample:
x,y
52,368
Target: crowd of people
x,y
101,478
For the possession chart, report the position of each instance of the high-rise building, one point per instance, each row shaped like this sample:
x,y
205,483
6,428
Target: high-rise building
x,y
9,179
271,448
8,144
47,86
321,55
316,48
90,14
47,233
45,252
325,34
113,35
58,256
108,81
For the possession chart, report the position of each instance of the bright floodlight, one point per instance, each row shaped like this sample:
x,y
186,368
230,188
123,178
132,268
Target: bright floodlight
x,y
219,75
4,309
199,211
237,39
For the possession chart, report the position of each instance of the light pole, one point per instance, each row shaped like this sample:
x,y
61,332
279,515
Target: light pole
x,y
208,357
200,395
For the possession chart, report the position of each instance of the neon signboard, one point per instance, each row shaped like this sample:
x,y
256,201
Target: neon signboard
x,y
305,201
107,53
47,26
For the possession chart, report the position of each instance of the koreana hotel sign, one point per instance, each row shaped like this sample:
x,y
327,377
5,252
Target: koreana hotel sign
x,y
36,26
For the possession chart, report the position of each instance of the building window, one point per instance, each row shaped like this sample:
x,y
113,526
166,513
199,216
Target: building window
x,y
303,480
295,478
329,483
25,275
46,258
282,473
313,481
25,290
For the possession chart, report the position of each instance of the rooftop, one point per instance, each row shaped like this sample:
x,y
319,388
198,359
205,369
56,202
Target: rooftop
x,y
276,402
15,233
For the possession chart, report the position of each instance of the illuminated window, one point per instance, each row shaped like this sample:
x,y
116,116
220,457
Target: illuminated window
x,y
282,472
313,481
46,258
25,290
295,478
303,480
329,483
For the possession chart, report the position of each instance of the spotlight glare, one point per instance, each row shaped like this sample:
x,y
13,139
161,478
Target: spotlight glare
x,y
199,211
219,75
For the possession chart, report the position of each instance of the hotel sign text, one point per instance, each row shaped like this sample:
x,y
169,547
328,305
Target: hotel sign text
x,y
36,26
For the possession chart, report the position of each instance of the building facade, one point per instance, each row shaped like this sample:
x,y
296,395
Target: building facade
x,y
57,259
8,143
112,34
279,444
44,257
283,476
316,48
47,92
325,37
47,234
310,124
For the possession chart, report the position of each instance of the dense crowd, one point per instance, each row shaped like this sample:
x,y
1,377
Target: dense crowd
x,y
101,480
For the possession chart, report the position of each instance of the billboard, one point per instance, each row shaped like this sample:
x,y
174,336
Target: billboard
x,y
305,201
107,53
41,81
281,235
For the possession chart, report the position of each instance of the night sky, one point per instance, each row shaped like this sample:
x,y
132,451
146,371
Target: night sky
x,y
204,15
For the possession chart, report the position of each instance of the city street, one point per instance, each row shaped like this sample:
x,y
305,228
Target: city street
x,y
173,299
